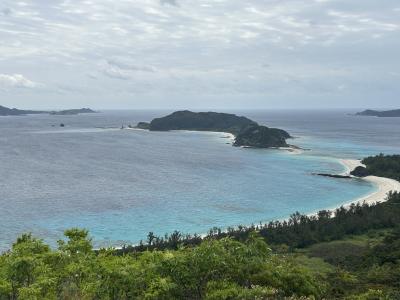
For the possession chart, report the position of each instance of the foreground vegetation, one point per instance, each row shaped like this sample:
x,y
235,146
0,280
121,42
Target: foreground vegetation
x,y
218,269
354,255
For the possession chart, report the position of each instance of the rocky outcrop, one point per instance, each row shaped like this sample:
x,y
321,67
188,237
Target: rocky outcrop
x,y
360,172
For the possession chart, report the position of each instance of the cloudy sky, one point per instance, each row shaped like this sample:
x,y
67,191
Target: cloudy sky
x,y
199,53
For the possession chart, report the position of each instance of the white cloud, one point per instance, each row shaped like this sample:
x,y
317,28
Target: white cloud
x,y
16,80
116,73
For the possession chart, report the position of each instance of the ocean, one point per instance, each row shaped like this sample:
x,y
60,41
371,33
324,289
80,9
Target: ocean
x,y
122,184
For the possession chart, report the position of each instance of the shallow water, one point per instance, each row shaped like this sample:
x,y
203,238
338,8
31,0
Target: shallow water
x,y
121,184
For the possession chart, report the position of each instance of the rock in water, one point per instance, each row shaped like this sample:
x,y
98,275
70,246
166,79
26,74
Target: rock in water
x,y
360,172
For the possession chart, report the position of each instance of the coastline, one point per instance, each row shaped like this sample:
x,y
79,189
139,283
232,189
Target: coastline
x,y
383,185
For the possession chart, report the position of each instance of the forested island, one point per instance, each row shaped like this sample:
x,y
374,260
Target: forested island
x,y
247,132
5,111
377,113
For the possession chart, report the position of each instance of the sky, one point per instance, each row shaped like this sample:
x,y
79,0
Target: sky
x,y
200,54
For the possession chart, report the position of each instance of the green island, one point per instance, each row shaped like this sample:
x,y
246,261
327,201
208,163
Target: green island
x,y
378,113
247,132
350,253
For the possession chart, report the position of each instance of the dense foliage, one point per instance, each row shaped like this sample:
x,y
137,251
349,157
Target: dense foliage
x,y
218,269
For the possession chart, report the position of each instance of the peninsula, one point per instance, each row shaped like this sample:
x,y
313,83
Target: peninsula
x,y
247,132
377,113
5,111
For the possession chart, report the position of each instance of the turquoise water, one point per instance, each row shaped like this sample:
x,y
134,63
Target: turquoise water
x,y
121,184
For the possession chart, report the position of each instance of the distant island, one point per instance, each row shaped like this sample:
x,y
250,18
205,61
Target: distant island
x,y
377,113
5,111
73,111
247,132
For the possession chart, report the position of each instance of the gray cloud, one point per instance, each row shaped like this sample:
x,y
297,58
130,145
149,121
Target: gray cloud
x,y
252,52
170,2
130,66
5,11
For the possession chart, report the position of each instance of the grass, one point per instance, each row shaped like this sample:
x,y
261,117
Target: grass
x,y
343,253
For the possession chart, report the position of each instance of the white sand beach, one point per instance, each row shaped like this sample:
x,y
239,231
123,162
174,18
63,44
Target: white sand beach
x,y
384,185
350,165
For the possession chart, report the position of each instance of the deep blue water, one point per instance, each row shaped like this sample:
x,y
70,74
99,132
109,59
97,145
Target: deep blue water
x,y
121,184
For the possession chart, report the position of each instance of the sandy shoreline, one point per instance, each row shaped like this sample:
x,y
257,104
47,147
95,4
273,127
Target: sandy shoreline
x,y
384,185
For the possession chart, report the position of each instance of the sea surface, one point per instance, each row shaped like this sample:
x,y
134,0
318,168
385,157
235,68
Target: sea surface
x,y
121,184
